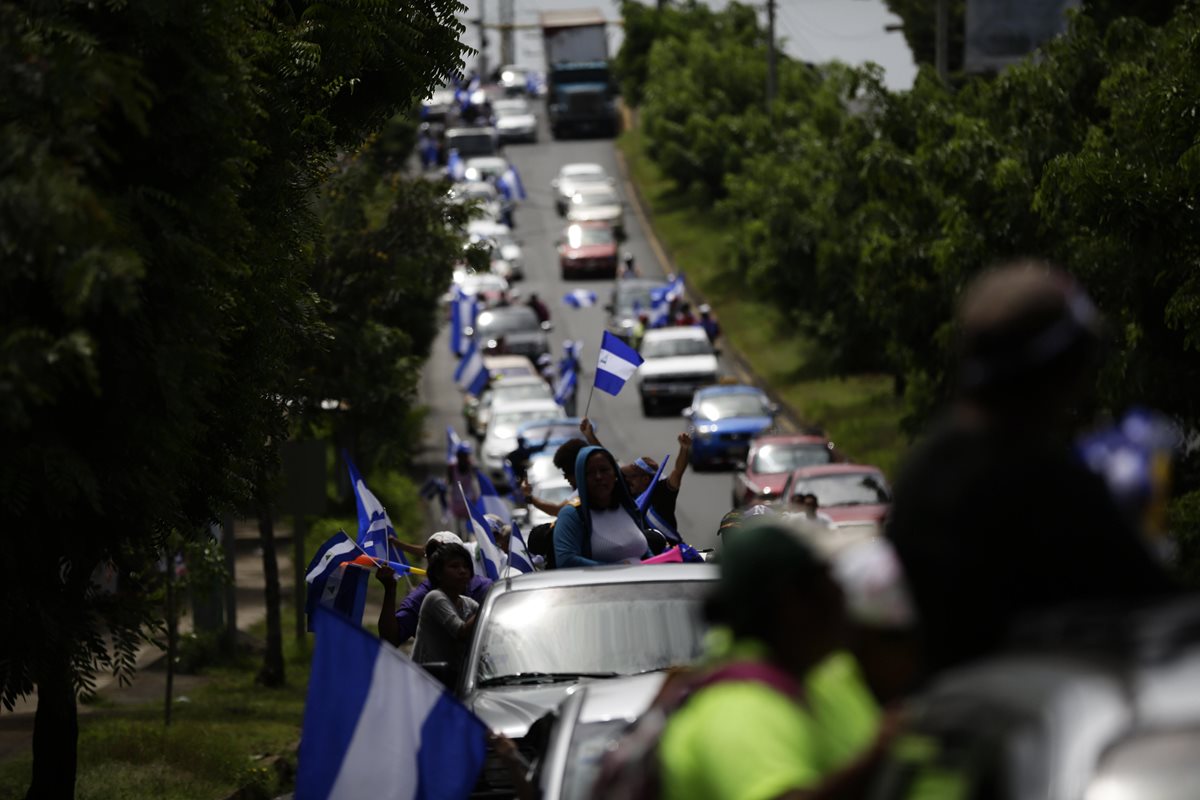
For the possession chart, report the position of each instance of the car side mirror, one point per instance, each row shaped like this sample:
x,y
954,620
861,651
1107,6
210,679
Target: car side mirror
x,y
687,413
443,671
547,326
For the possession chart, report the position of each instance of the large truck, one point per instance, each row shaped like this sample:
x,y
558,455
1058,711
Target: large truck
x,y
580,91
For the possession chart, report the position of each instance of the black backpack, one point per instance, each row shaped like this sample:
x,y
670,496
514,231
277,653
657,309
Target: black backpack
x,y
541,542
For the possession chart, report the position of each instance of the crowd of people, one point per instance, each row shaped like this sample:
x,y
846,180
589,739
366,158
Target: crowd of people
x,y
814,645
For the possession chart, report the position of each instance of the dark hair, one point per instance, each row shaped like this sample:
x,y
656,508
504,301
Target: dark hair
x,y
566,454
443,555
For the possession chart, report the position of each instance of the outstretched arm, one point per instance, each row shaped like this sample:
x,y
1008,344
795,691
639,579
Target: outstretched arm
x,y
589,432
387,611
681,461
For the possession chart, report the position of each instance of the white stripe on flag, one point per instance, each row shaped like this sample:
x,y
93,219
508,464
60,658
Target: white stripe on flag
x,y
330,554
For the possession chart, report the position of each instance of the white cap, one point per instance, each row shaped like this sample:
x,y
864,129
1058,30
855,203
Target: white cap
x,y
873,580
444,537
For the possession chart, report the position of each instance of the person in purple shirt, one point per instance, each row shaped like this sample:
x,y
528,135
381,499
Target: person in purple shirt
x,y
398,625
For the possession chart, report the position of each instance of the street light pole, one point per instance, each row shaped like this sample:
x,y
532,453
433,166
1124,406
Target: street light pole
x,y
770,54
483,42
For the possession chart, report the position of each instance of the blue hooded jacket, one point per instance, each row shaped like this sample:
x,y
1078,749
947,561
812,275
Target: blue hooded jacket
x,y
573,529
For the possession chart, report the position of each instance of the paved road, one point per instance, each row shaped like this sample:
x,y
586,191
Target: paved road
x,y
619,421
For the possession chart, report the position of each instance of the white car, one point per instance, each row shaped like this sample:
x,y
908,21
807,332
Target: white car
x,y
485,197
597,202
679,361
515,120
571,177
484,285
552,490
484,168
507,247
501,438
503,391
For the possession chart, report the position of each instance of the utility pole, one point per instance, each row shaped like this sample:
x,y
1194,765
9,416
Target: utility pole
x,y
770,54
483,41
508,50
942,40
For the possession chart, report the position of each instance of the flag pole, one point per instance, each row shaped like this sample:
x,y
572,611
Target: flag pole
x,y
588,406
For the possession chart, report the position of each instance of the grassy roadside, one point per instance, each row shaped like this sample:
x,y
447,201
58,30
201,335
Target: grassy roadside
x,y
859,412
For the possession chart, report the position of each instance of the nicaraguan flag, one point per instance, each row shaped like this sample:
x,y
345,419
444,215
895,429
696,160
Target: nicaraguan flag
x,y
510,184
471,375
452,443
514,493
456,168
491,500
462,316
331,585
580,298
643,501
617,363
653,518
484,538
570,358
660,306
377,725
519,557
564,387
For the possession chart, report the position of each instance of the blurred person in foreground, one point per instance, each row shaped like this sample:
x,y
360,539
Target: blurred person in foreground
x,y
398,625
994,519
784,712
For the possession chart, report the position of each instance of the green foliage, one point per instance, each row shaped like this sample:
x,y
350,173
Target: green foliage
x,y
918,20
156,312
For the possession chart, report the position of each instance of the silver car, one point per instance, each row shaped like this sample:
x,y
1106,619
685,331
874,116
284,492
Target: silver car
x,y
574,176
541,634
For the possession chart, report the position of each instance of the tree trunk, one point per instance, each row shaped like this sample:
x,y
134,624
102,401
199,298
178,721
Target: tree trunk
x,y
55,735
272,673
172,636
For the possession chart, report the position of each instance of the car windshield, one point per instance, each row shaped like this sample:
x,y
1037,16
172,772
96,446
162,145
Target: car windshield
x,y
491,323
668,348
552,433
724,406
554,493
520,391
584,174
589,743
601,629
472,284
773,458
510,369
504,424
510,108
584,236
848,489
471,144
598,196
542,469
628,297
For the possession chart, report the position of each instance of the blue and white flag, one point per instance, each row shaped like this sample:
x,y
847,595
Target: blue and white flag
x,y
332,584
374,526
456,168
660,301
514,485
570,358
564,387
617,363
491,500
509,184
484,538
463,310
519,557
580,298
472,376
378,725
653,518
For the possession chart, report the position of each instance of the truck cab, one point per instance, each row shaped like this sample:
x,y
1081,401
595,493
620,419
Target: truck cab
x,y
580,90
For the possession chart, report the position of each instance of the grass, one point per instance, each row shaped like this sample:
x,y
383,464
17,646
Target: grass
x,y
859,412
218,742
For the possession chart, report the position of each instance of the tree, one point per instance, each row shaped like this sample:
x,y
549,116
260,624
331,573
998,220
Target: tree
x,y
157,162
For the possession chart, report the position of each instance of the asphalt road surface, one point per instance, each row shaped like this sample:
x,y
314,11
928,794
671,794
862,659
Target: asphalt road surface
x,y
705,497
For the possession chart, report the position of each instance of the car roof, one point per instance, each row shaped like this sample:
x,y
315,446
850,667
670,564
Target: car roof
x,y
470,131
508,311
502,381
595,188
581,168
478,161
677,332
821,470
506,361
608,574
590,223
739,388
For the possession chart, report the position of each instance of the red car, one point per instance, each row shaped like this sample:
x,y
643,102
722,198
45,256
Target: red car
x,y
771,461
846,493
588,250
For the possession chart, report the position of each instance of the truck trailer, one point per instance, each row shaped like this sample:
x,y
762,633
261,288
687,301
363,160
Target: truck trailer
x,y
580,91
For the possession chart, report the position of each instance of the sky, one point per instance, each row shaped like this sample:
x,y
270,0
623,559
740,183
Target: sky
x,y
810,30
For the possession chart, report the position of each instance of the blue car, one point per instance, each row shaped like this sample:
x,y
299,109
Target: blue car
x,y
723,420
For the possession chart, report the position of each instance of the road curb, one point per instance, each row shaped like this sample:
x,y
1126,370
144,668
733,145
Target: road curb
x,y
789,420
